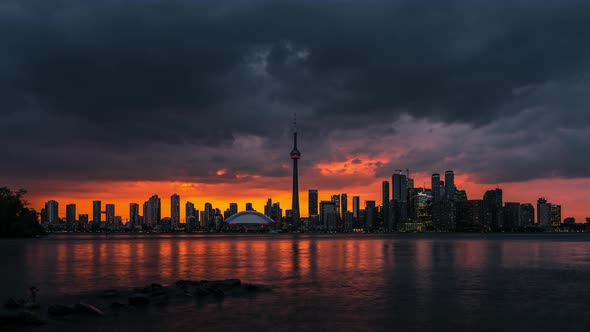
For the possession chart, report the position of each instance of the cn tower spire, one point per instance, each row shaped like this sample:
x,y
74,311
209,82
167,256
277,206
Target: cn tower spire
x,y
295,155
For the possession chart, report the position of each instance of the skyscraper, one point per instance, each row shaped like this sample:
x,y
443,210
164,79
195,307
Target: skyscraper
x,y
110,214
336,200
96,212
555,215
249,207
450,185
400,187
543,213
71,213
355,206
312,202
385,203
493,210
175,210
370,215
295,155
52,211
189,211
328,214
152,215
527,214
268,208
233,208
512,216
134,213
435,182
343,205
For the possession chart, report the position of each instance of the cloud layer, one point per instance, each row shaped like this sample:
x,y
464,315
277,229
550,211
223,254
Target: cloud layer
x,y
205,91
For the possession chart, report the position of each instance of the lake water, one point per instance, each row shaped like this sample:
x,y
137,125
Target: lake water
x,y
405,282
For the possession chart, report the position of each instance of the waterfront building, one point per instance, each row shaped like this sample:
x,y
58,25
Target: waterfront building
x,y
312,198
175,210
71,214
96,213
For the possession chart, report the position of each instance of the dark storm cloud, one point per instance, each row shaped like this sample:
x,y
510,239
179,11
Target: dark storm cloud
x,y
178,89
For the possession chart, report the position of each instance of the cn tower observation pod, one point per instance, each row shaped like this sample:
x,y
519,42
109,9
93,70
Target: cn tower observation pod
x,y
249,218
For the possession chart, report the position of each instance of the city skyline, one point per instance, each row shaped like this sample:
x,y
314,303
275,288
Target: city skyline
x,y
317,195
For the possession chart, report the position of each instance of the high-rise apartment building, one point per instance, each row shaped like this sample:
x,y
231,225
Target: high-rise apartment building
x,y
312,199
175,210
71,213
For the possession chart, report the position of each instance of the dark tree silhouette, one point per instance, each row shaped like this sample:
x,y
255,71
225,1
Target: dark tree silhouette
x,y
16,220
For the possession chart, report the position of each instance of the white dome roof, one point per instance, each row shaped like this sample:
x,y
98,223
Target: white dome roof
x,y
249,217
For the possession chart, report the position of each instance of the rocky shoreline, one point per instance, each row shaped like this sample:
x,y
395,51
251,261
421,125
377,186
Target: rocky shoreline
x,y
114,302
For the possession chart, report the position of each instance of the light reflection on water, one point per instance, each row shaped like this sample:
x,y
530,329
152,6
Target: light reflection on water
x,y
412,282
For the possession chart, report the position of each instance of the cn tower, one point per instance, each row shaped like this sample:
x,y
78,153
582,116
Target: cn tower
x,y
295,155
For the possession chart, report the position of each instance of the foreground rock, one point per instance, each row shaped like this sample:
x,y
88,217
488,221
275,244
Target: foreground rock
x,y
85,308
139,299
22,318
59,310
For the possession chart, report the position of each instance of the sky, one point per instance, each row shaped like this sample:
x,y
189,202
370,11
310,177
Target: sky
x,y
120,100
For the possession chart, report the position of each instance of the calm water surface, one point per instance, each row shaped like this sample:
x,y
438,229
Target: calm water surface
x,y
423,282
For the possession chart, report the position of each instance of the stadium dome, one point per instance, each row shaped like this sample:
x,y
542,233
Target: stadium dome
x,y
249,218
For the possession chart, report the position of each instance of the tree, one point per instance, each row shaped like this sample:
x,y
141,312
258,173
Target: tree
x,y
16,220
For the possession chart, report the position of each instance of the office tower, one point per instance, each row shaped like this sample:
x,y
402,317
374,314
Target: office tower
x,y
43,214
268,208
469,215
134,213
543,213
527,214
435,182
336,200
450,185
370,215
52,211
492,210
71,213
96,212
152,211
400,187
277,212
207,216
118,222
233,208
312,199
512,216
555,215
175,210
328,214
343,205
295,155
249,207
189,210
110,214
410,183
385,203
355,206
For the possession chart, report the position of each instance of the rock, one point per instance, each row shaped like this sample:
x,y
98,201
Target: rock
x,y
23,318
86,308
31,305
228,282
116,305
156,287
183,283
11,304
201,291
110,293
159,293
59,310
139,299
29,319
218,293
